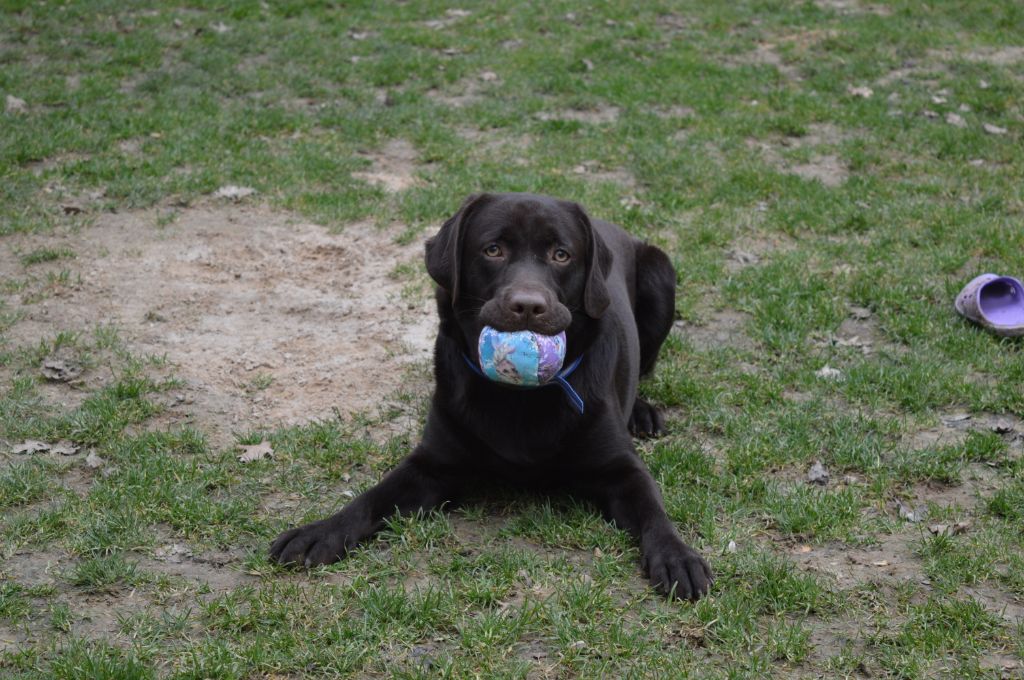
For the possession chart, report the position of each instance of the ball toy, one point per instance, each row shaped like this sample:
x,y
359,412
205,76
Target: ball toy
x,y
521,358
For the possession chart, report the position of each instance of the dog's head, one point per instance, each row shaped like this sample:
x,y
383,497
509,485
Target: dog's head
x,y
519,262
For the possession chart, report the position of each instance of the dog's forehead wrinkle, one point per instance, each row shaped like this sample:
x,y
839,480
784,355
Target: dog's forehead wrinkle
x,y
537,234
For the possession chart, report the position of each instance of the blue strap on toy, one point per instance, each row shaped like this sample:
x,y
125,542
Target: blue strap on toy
x,y
560,379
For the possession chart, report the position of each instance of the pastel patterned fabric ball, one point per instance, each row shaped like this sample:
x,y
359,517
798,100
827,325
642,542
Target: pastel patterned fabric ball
x,y
520,358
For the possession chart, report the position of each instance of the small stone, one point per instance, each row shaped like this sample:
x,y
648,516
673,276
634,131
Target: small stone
x,y
60,370
818,474
731,547
956,120
15,105
254,452
862,91
910,514
233,192
993,129
829,373
1002,427
743,257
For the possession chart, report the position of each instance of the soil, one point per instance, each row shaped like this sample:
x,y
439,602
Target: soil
x,y
826,168
268,319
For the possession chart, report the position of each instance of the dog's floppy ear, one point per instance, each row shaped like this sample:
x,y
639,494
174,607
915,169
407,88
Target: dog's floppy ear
x,y
444,249
599,263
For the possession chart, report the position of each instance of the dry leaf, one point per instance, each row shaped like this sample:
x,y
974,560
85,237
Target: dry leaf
x,y
94,461
15,105
910,514
64,448
993,129
862,91
253,452
949,529
743,257
233,192
30,446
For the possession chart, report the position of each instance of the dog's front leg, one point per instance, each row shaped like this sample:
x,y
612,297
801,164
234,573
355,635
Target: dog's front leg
x,y
417,483
629,497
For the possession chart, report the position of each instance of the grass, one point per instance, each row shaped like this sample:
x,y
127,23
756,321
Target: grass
x,y
709,129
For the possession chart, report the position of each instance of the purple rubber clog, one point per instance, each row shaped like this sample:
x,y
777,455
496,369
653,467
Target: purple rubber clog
x,y
994,302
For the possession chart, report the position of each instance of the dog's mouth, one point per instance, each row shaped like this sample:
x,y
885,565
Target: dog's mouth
x,y
551,319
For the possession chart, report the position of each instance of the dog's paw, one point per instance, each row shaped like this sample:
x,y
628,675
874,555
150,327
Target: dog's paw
x,y
678,570
312,545
645,421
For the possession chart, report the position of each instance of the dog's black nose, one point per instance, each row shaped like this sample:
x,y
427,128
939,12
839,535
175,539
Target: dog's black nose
x,y
526,308
527,305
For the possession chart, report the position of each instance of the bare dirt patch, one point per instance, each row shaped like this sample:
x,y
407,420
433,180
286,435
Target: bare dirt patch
x,y
996,56
827,168
466,92
393,167
749,250
852,7
890,560
954,427
722,328
601,114
496,143
766,54
267,319
591,171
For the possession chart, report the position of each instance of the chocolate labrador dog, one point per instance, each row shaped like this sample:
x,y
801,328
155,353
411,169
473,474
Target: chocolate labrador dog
x,y
515,262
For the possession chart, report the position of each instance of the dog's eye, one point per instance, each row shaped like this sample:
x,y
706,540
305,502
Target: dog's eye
x,y
493,250
561,255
